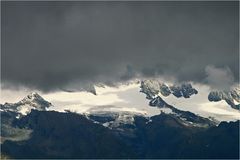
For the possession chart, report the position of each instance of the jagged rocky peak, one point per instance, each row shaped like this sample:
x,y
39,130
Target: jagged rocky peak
x,y
184,90
32,96
152,88
231,97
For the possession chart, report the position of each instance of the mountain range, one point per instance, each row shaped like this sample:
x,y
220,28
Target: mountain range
x,y
30,128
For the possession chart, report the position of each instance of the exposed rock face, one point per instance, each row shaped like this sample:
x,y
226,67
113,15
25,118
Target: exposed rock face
x,y
158,101
165,90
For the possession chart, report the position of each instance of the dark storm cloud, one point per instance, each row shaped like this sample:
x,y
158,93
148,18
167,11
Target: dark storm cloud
x,y
51,45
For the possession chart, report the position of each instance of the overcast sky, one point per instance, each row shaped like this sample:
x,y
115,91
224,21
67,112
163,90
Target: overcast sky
x,y
54,45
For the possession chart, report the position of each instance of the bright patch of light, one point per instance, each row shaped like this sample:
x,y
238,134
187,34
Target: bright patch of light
x,y
125,98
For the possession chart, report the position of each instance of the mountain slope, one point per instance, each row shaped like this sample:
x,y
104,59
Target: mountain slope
x,y
69,135
64,135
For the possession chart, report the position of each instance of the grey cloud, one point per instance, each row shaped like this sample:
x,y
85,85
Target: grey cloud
x,y
219,78
51,45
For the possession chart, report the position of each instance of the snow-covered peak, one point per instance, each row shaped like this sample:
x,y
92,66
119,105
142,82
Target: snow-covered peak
x,y
31,101
232,97
35,100
33,96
